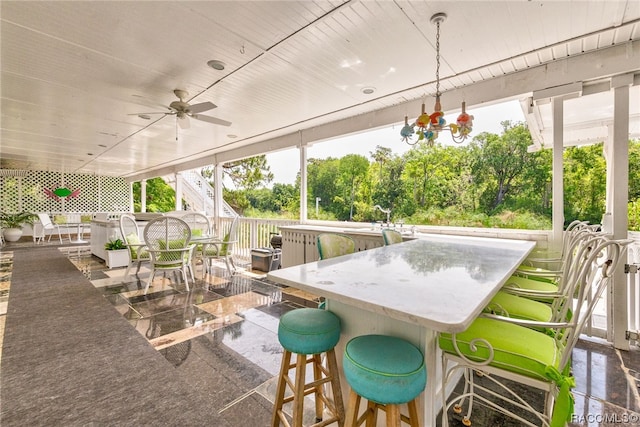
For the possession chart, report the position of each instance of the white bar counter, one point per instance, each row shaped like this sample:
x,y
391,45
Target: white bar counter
x,y
414,289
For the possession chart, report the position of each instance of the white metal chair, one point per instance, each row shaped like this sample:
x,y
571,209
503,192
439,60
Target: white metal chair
x,y
45,225
167,239
221,250
138,251
505,348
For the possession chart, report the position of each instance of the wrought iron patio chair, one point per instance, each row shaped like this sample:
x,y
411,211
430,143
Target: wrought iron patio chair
x,y
138,251
167,239
512,349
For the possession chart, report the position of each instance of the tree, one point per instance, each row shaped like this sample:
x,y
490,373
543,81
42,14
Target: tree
x,y
160,196
352,169
499,161
245,174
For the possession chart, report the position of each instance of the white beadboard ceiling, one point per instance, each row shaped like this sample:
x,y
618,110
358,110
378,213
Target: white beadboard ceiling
x,y
75,74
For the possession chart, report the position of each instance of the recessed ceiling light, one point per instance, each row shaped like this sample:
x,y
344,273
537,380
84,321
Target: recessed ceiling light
x,y
216,65
89,154
102,145
368,90
144,116
232,136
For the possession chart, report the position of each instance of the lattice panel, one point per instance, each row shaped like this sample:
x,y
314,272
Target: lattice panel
x,y
26,191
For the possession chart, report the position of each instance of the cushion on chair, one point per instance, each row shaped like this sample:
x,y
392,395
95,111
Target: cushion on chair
x,y
309,331
59,219
521,350
384,369
133,239
518,282
517,307
516,348
86,218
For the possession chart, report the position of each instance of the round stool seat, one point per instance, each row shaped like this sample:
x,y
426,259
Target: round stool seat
x,y
384,369
309,331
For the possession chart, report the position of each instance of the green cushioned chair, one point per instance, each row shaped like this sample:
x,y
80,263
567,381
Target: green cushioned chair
x,y
331,245
138,252
387,371
513,349
221,250
391,237
309,332
168,241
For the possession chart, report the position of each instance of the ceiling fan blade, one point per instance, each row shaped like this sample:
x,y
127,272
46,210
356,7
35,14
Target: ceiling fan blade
x,y
183,122
203,106
210,119
152,112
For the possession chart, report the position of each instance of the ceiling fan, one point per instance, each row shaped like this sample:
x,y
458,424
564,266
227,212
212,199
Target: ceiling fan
x,y
183,110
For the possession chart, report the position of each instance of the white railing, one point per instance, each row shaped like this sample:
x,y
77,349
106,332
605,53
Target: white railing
x,y
198,193
633,291
252,233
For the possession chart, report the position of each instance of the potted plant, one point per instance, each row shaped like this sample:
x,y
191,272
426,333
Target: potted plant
x,y
117,253
12,223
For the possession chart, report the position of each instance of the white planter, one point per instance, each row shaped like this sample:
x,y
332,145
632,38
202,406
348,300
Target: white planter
x,y
117,258
12,234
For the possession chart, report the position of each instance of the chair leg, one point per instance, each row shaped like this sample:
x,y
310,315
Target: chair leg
x,y
126,272
413,414
153,273
336,389
184,276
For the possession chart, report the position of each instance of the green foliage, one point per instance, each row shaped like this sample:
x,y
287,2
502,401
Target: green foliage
x,y
634,215
16,220
160,196
246,174
114,244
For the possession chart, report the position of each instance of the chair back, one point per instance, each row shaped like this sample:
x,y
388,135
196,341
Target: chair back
x,y
130,234
45,220
168,239
230,238
331,245
391,237
587,286
199,224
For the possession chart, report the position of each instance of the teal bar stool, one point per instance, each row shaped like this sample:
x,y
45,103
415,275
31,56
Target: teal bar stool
x,y
388,372
309,332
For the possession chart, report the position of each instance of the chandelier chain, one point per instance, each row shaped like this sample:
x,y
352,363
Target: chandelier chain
x,y
438,58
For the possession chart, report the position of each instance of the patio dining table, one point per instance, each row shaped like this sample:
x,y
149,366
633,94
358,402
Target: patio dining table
x,y
413,290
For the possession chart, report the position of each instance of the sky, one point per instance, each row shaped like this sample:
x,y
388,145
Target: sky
x,y
284,164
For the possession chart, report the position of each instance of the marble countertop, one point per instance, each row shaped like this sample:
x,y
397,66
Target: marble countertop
x,y
440,282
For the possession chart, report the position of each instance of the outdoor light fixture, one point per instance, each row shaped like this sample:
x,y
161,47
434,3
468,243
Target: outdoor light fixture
x,y
430,125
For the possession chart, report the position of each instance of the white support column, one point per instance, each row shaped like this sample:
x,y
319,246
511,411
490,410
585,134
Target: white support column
x,y
217,196
131,201
143,195
303,183
178,178
619,156
557,216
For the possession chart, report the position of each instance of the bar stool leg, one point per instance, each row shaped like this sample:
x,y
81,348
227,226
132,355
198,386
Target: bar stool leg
x,y
336,389
298,399
284,372
413,414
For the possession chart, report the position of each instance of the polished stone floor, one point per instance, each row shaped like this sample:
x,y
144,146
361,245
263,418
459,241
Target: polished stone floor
x,y
221,336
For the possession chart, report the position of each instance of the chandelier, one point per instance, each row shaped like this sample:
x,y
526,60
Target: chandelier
x,y
428,126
